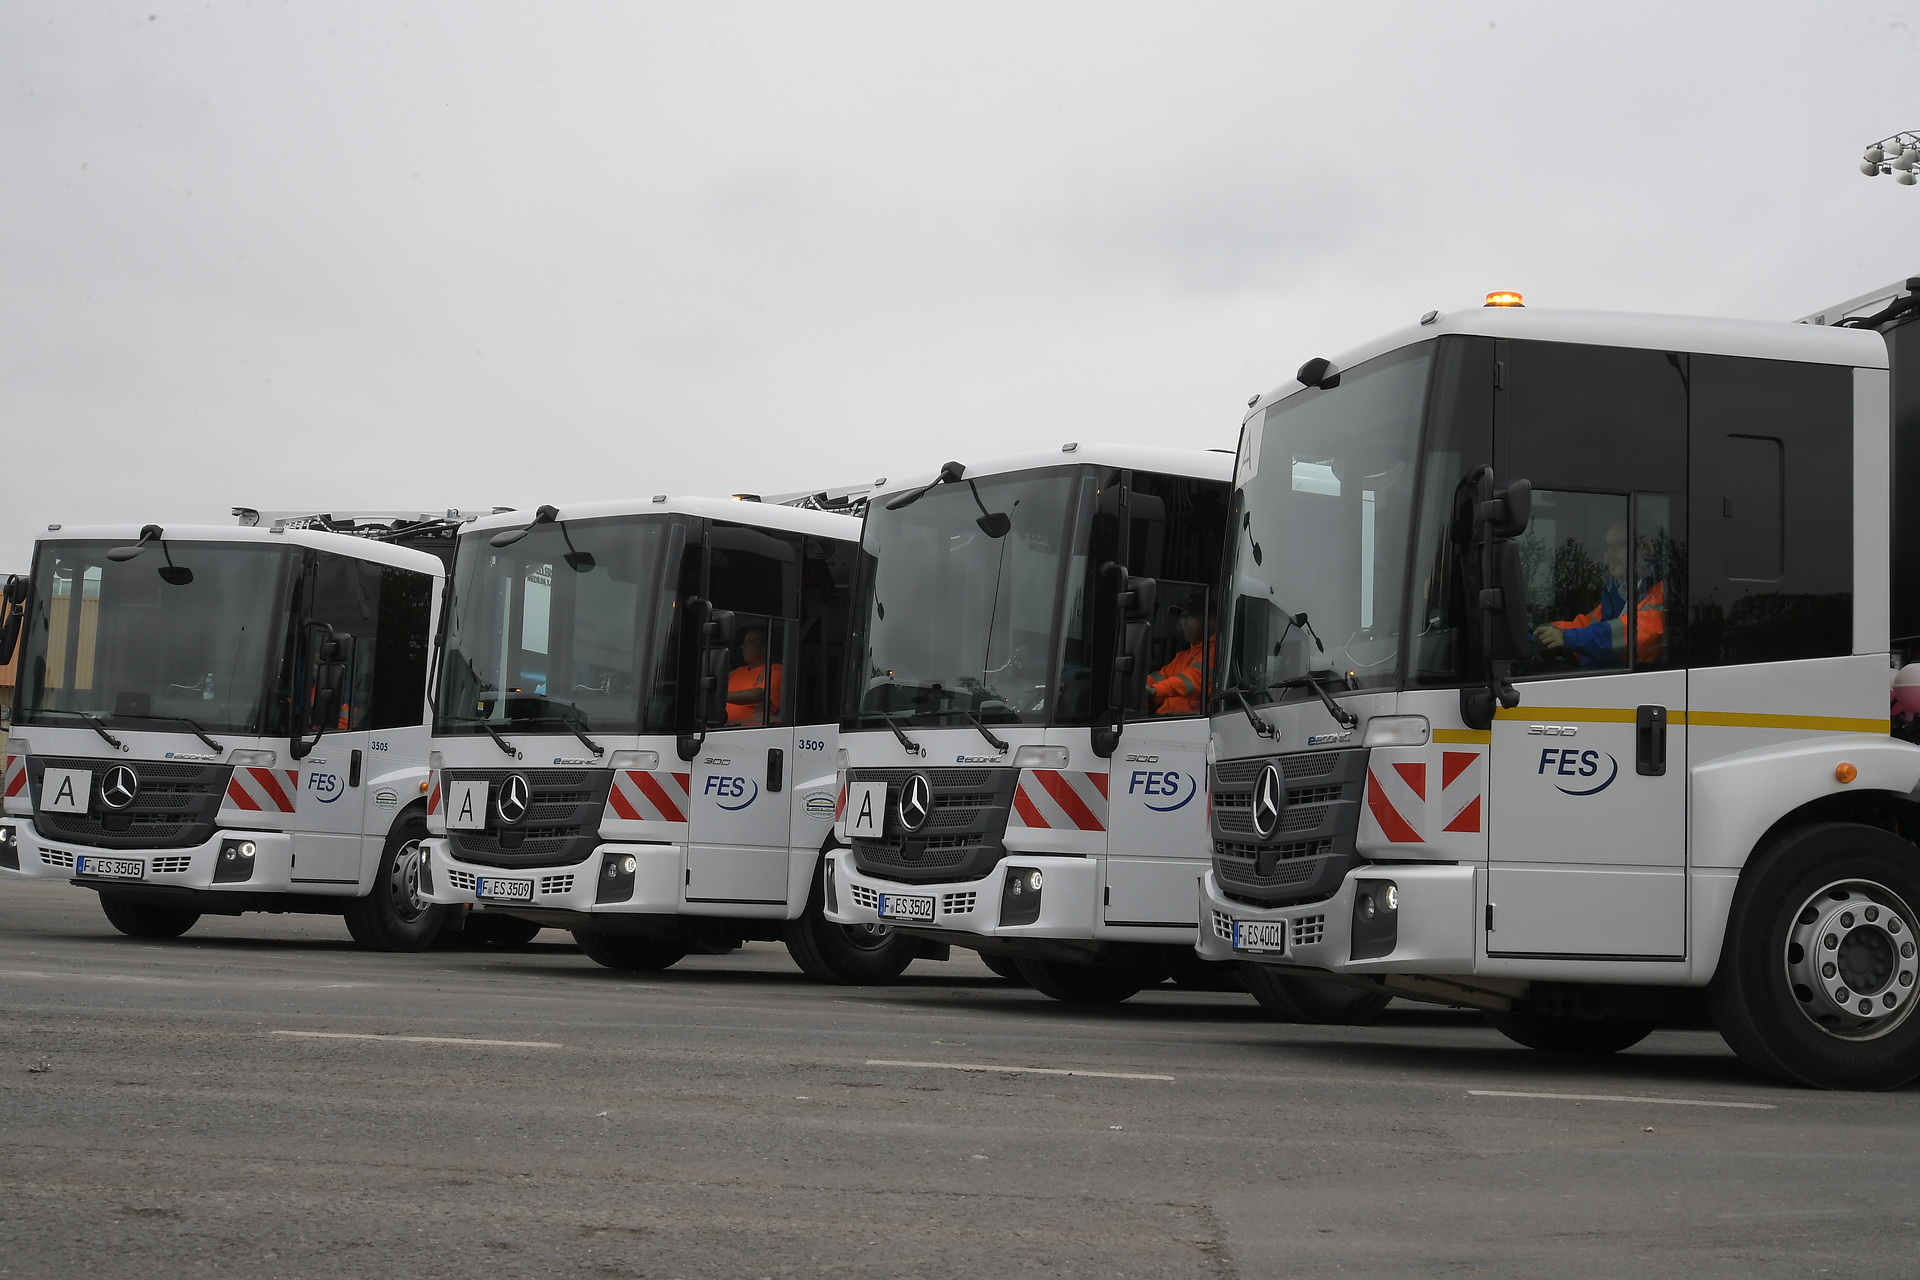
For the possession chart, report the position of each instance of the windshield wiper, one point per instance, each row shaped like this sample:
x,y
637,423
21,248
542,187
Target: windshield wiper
x,y
569,725
198,732
93,723
985,732
1345,718
913,748
1260,726
493,733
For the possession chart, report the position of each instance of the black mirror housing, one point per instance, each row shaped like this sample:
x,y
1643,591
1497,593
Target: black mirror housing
x,y
1137,600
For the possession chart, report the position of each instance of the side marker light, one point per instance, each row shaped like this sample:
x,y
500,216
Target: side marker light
x,y
1844,772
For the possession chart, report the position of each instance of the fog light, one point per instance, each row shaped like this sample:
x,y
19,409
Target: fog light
x,y
1376,922
1363,907
245,849
1033,880
629,864
1393,897
236,861
1020,896
9,848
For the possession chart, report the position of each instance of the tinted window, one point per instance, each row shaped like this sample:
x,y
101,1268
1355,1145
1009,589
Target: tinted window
x,y
756,575
1772,531
400,649
826,593
1179,539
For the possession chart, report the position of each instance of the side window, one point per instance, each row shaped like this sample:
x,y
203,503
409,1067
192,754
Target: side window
x,y
756,574
1601,432
400,648
344,593
1772,511
826,591
1178,538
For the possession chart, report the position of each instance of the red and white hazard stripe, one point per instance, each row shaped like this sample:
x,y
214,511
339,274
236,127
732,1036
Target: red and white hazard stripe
x,y
264,790
433,792
1060,800
1461,777
641,795
1397,800
16,775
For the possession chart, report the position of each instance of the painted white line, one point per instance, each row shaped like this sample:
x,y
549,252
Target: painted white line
x,y
356,1035
1026,1071
1623,1097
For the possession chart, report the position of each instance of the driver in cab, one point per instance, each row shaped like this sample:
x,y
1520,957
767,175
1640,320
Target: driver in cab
x,y
1179,688
1598,638
753,687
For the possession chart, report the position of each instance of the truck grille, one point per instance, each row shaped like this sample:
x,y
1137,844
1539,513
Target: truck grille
x,y
562,826
970,808
1311,849
174,806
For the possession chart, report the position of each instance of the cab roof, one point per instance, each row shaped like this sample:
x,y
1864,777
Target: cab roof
x,y
1758,339
338,543
764,515
1201,464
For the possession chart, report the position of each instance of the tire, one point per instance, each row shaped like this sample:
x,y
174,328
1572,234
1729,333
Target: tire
x,y
1082,983
146,919
485,929
394,917
1324,1002
1771,997
625,951
1005,966
848,955
1586,1037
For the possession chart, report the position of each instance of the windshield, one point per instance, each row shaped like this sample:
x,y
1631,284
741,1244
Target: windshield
x,y
955,622
560,630
1326,491
118,642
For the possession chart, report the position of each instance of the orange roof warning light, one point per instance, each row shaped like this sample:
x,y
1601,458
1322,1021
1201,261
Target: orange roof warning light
x,y
1505,298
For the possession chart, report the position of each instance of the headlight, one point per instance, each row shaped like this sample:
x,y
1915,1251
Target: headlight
x,y
245,849
629,863
1033,879
1393,897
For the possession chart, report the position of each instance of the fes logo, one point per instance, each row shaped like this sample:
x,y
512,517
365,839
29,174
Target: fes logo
x,y
1163,790
1582,766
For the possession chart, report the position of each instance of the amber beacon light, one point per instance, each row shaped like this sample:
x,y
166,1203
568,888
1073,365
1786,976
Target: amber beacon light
x,y
1844,772
1505,298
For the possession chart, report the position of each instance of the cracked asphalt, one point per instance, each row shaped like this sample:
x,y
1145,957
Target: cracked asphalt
x,y
728,1118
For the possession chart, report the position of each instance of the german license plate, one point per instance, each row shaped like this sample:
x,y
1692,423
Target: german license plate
x,y
494,889
905,906
1262,935
87,864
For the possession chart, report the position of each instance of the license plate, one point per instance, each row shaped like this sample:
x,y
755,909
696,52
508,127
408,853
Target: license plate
x,y
1263,935
110,868
495,889
905,906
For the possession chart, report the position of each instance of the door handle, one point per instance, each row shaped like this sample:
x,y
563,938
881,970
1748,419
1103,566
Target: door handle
x,y
353,768
1650,740
776,769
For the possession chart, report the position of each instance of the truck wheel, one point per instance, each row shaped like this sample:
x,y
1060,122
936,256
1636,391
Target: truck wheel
x,y
1816,984
625,951
145,919
863,955
1082,983
486,929
1589,1037
1322,1002
1005,966
395,917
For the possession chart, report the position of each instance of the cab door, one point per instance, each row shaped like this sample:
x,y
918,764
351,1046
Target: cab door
x,y
1587,791
329,845
741,777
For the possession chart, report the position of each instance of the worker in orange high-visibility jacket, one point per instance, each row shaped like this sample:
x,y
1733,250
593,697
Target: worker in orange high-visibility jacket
x,y
1179,688
1598,638
753,687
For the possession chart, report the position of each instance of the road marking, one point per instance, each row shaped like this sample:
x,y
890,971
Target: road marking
x,y
359,1035
1623,1097
1027,1071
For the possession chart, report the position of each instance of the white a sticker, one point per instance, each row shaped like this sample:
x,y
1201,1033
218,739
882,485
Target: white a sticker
x,y
66,790
466,806
867,809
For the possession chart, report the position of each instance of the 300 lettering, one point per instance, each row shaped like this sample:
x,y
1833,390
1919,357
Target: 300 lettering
x,y
1570,762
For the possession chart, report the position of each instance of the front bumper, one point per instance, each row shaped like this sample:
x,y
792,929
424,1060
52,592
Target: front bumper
x,y
191,867
658,881
1070,890
1433,931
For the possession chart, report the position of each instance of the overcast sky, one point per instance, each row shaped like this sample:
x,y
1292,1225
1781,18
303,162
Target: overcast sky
x,y
350,255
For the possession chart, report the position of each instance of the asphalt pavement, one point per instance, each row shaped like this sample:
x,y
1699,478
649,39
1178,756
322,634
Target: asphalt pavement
x,y
259,1098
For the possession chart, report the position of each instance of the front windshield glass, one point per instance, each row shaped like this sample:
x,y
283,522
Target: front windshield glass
x,y
118,642
560,630
957,622
1327,492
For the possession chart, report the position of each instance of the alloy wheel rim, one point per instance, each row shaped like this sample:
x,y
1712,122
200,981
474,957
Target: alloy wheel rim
x,y
1850,960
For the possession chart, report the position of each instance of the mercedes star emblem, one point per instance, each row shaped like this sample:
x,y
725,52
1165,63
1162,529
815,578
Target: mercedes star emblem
x,y
916,802
119,787
515,798
1269,799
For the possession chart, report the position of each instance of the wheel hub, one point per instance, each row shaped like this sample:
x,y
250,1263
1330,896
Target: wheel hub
x,y
1850,959
404,884
868,937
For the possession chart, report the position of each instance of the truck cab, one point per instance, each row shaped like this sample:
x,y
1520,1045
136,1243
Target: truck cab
x,y
1557,685
1024,741
214,720
635,727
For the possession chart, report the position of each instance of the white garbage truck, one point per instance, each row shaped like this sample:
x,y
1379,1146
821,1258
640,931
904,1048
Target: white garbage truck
x,y
1557,677
215,720
635,728
1023,751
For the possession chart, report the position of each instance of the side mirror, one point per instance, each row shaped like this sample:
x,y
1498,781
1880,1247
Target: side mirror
x,y
1138,598
13,602
1509,511
719,627
329,657
1129,690
1505,603
714,670
1500,515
